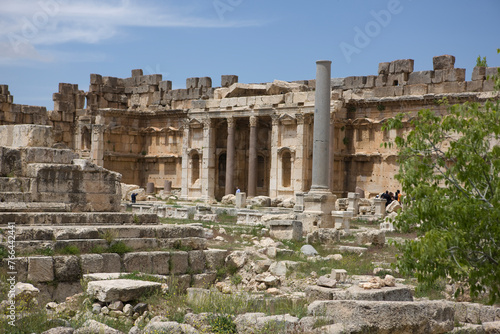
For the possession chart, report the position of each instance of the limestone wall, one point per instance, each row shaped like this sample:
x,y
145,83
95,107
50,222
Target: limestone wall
x,y
30,172
149,132
59,277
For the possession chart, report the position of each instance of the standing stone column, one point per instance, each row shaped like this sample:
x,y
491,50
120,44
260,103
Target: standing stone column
x,y
230,156
275,133
208,162
185,161
252,158
320,202
331,162
321,141
97,145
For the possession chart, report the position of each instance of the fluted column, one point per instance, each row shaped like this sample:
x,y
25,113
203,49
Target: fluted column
x,y
321,139
252,158
230,156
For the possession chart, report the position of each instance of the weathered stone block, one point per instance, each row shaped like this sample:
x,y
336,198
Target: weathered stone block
x,y
387,91
315,292
478,73
370,81
420,77
67,268
491,71
475,86
137,73
26,135
92,263
196,261
415,89
447,87
228,80
449,75
383,68
389,317
354,82
381,80
160,262
205,82
401,66
179,263
443,62
138,261
40,269
165,86
397,79
286,229
120,289
325,236
203,281
337,83
192,83
215,258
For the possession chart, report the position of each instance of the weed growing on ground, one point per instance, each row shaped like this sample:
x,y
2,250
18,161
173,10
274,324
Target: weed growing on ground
x,y
119,248
433,291
69,250
221,323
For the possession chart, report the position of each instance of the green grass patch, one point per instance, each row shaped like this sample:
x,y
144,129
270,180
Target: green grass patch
x,y
141,277
433,291
119,247
69,250
221,323
238,304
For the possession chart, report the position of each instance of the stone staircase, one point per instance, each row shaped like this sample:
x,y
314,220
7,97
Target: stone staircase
x,y
62,205
30,239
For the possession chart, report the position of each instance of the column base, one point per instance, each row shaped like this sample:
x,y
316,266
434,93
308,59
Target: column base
x,y
318,207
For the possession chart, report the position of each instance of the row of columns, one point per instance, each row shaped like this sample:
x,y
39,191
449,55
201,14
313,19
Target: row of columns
x,y
252,157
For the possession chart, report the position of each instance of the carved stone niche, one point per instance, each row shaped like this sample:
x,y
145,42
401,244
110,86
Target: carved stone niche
x,y
195,124
288,120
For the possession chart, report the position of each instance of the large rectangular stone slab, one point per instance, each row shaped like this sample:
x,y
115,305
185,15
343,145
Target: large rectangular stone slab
x,y
120,289
26,135
388,317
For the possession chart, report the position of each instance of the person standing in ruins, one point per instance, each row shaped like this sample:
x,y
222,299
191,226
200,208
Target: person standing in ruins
x,y
133,197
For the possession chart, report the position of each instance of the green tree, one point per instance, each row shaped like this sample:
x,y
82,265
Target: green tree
x,y
481,62
449,169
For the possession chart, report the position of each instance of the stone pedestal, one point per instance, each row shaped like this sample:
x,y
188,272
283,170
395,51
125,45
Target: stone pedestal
x,y
318,207
353,203
286,229
299,202
342,220
167,187
150,189
379,204
241,200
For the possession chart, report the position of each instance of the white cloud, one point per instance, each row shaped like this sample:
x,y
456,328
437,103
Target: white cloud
x,y
26,25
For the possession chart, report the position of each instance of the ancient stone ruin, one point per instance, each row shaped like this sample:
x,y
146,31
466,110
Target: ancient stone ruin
x,y
84,251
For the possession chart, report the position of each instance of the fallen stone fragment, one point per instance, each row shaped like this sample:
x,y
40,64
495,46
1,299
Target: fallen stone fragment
x,y
121,289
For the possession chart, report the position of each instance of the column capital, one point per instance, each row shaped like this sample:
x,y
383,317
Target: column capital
x,y
275,120
230,122
300,119
253,121
185,124
207,123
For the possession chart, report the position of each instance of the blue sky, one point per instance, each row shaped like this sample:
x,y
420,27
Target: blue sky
x,y
44,42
